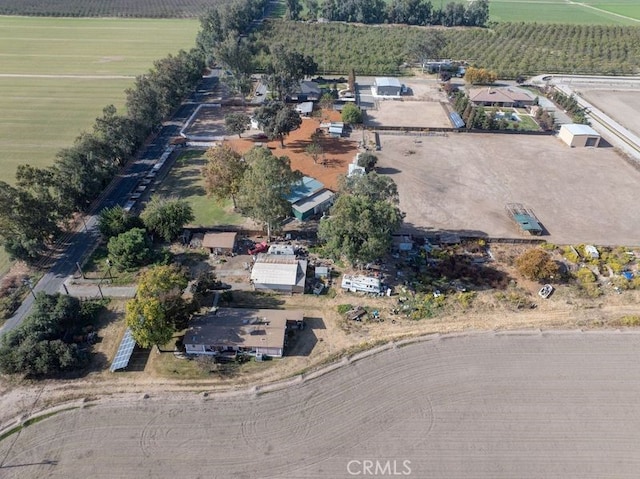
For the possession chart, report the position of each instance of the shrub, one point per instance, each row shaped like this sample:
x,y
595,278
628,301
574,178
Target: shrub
x,y
629,321
536,264
343,308
130,249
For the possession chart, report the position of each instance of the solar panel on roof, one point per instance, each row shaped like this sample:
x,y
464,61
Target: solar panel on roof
x,y
125,350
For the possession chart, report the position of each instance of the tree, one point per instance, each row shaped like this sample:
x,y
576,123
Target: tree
x,y
314,149
277,120
118,133
29,213
37,346
429,47
286,68
265,187
115,220
158,306
294,7
536,264
372,186
368,161
351,114
223,173
475,76
130,249
237,123
166,216
359,229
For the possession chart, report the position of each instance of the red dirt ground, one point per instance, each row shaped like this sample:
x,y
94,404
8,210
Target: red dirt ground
x,y
338,152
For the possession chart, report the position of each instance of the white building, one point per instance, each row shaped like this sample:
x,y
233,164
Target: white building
x,y
281,273
386,86
579,135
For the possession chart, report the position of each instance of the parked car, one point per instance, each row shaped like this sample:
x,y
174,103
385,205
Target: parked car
x,y
259,248
545,291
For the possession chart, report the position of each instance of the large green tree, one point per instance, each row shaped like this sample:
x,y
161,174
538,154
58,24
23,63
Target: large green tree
x,y
38,346
223,173
115,220
373,186
166,216
286,68
265,186
237,123
277,119
130,249
158,307
30,213
359,229
351,114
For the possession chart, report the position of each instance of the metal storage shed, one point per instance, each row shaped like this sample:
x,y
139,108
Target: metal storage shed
x,y
579,135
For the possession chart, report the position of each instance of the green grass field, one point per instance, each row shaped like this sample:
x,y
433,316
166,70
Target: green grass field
x,y
42,109
185,181
592,12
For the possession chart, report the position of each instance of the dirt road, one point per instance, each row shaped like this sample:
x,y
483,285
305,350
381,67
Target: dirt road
x,y
481,405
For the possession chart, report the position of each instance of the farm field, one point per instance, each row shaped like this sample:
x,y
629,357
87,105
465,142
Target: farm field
x,y
487,406
108,8
466,186
56,76
588,12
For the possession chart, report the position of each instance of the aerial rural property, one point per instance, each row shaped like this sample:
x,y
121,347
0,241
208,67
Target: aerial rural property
x,y
298,239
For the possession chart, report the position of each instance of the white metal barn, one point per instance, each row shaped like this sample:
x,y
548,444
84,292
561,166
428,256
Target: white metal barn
x,y
579,135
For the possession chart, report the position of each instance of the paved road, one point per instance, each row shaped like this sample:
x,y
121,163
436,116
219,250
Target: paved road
x,y
553,405
82,242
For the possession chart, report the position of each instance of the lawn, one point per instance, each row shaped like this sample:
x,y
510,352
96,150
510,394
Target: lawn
x,y
185,181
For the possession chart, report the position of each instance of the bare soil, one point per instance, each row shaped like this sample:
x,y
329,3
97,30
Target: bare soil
x,y
338,152
462,182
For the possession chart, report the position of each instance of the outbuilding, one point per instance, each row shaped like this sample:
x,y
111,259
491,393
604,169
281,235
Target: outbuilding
x,y
313,205
576,135
387,86
220,242
279,273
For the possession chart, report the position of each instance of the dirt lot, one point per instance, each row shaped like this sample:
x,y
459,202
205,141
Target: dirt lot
x,y
461,182
409,113
525,405
209,122
421,108
621,105
338,152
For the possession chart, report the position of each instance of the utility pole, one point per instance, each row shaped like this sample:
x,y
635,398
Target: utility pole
x,y
27,282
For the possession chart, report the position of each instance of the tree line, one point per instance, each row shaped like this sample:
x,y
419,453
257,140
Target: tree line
x,y
407,12
43,201
52,339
